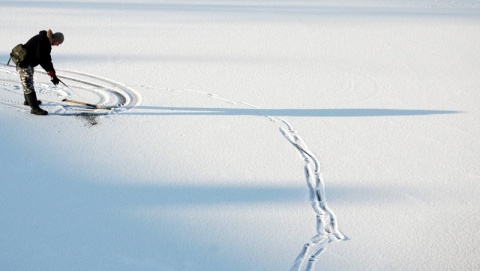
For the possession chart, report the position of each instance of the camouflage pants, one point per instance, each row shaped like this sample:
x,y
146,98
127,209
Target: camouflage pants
x,y
26,77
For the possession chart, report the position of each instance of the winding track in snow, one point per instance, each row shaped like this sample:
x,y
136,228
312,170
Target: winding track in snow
x,y
81,86
327,230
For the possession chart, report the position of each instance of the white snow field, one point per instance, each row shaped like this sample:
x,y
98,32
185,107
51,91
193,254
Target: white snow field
x,y
234,124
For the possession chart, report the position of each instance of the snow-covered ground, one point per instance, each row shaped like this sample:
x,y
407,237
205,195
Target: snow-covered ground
x,y
232,113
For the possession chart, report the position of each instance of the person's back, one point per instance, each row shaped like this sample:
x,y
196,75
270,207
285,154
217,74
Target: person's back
x,y
38,52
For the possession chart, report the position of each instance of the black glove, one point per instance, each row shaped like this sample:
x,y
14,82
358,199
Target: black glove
x,y
55,80
54,77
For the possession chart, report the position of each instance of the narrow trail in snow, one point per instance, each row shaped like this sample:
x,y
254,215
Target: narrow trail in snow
x,y
327,230
92,89
327,225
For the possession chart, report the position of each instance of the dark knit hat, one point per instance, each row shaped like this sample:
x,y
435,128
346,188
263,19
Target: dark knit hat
x,y
58,37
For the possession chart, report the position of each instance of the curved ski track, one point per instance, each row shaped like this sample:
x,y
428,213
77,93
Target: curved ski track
x,y
83,87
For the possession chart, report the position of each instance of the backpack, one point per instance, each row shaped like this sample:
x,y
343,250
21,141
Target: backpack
x,y
18,54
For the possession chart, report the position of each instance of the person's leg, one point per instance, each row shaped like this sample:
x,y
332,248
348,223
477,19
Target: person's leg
x,y
26,77
26,102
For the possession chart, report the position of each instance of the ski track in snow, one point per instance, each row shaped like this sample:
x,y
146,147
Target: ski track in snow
x,y
112,96
327,230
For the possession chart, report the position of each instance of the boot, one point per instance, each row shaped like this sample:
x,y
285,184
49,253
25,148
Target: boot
x,y
33,102
26,102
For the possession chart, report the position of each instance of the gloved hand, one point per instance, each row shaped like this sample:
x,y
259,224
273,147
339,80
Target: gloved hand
x,y
55,79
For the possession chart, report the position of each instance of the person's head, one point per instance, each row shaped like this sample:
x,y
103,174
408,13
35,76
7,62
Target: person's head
x,y
57,39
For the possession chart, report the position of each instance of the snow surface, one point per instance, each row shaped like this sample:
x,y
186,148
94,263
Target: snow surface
x,y
199,169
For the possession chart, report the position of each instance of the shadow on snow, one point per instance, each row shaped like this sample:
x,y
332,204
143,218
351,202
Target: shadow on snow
x,y
350,112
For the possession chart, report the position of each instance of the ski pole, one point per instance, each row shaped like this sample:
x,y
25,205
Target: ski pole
x,y
63,83
67,86
59,81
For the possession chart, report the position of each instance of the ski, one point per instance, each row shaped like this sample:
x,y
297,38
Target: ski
x,y
92,106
